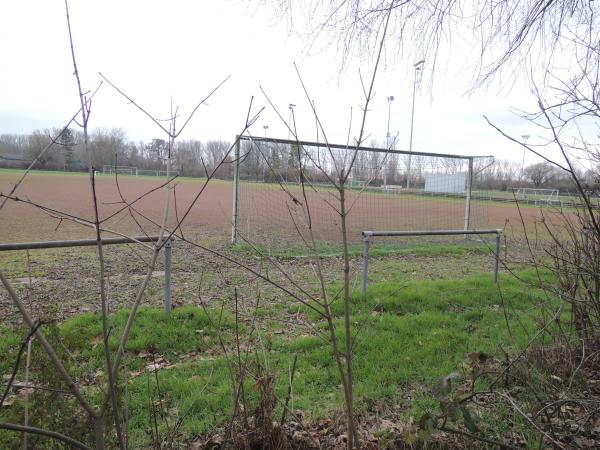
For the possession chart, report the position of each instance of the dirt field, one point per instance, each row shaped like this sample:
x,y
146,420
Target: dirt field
x,y
266,211
71,194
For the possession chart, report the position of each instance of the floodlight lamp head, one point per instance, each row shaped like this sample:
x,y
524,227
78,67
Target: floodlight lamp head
x,y
292,106
391,98
418,64
525,136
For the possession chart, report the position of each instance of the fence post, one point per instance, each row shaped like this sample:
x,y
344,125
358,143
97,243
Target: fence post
x,y
468,201
236,191
168,299
497,262
363,289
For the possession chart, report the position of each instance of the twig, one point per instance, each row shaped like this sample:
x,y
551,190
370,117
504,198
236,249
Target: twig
x,y
17,363
85,113
479,438
49,350
47,433
151,117
509,399
52,142
289,392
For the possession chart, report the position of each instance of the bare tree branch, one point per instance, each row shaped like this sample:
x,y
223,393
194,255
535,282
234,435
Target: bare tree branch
x,y
47,433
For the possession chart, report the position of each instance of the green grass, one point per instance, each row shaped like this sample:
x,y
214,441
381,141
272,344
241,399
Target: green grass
x,y
405,337
375,249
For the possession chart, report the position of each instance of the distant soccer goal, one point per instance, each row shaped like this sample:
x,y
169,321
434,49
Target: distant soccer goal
x,y
120,170
539,197
282,188
155,173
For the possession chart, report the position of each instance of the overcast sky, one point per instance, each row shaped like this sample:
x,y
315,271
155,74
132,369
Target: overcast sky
x,y
156,51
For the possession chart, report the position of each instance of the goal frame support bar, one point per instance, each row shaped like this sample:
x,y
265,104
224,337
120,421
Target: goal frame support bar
x,y
106,241
368,235
353,147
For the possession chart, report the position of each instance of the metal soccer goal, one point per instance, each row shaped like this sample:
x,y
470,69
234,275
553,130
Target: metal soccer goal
x,y
283,187
539,197
120,170
155,173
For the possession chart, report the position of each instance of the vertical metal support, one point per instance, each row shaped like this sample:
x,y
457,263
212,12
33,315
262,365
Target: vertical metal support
x,y
363,289
468,201
497,262
168,258
236,192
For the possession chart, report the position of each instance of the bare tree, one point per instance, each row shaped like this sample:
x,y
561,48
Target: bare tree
x,y
539,173
12,144
35,147
519,36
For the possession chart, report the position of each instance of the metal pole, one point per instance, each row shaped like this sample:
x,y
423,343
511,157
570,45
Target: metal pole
x,y
75,243
236,191
370,234
497,262
168,258
468,201
345,147
363,289
105,241
412,120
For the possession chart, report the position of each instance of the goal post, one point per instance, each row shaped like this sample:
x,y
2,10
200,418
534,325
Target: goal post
x,y
120,170
154,173
275,178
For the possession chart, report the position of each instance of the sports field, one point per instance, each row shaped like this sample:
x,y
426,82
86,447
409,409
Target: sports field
x,y
70,194
427,306
265,209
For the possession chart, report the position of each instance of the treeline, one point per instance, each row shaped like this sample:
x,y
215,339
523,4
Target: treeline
x,y
504,175
268,162
110,146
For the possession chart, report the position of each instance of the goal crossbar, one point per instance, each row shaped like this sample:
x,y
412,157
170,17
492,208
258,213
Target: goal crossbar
x,y
351,148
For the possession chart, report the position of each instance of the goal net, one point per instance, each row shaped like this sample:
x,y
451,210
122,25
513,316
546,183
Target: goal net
x,y
121,170
537,196
155,173
285,188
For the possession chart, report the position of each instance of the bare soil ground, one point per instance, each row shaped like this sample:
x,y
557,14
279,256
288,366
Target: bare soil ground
x,y
71,194
265,210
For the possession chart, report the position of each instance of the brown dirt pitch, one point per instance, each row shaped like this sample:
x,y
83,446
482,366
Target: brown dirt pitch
x,y
71,194
266,210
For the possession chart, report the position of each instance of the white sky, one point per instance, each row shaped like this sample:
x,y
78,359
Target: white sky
x,y
158,50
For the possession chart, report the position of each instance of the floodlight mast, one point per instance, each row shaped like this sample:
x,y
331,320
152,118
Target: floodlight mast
x,y
390,99
418,67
